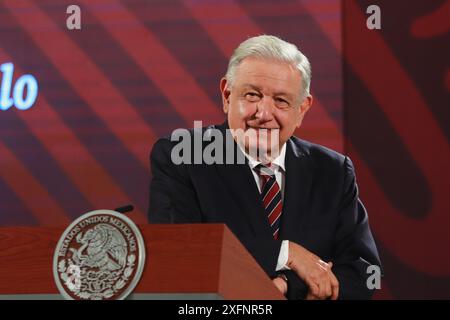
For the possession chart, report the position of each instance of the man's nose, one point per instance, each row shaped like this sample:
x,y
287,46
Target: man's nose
x,y
265,108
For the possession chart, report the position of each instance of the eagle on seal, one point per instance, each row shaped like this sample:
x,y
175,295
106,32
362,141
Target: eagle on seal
x,y
102,247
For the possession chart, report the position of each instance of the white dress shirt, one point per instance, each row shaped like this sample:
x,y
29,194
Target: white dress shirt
x,y
278,166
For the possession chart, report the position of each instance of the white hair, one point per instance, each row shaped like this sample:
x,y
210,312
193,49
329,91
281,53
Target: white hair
x,y
271,47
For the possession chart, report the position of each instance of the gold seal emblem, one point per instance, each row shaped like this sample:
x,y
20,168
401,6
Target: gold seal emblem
x,y
100,256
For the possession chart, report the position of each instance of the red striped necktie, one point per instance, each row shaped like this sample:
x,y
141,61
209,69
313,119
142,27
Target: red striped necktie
x,y
271,197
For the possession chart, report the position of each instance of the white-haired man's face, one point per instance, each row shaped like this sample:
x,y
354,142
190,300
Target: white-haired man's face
x,y
265,94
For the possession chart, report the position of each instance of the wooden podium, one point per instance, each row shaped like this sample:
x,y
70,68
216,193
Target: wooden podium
x,y
184,261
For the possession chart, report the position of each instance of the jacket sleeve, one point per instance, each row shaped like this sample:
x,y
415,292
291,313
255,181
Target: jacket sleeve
x,y
354,247
297,288
172,196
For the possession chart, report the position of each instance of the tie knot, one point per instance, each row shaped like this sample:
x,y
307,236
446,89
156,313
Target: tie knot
x,y
265,170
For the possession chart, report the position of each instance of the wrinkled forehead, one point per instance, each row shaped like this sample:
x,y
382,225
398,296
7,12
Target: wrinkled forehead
x,y
267,74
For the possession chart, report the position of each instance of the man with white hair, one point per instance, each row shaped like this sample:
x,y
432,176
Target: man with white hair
x,y
293,204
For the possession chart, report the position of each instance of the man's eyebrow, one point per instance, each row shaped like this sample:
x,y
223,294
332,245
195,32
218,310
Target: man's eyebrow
x,y
276,94
284,94
251,86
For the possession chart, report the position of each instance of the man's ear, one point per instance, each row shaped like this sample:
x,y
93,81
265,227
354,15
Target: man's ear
x,y
303,109
224,88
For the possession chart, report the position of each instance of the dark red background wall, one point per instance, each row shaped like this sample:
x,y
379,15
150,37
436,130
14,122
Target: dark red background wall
x,y
397,83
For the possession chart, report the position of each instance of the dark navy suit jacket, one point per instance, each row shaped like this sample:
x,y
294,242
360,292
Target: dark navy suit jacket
x,y
321,209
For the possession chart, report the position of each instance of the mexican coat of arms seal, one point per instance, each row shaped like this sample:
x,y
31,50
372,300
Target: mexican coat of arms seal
x,y
100,256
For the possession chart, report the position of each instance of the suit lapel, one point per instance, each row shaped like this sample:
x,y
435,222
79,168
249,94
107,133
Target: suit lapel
x,y
299,174
241,186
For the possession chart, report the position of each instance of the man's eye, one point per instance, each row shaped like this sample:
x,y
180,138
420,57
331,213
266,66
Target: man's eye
x,y
281,102
252,96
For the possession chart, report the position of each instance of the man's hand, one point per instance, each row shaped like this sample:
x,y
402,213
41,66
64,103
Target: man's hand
x,y
316,273
281,285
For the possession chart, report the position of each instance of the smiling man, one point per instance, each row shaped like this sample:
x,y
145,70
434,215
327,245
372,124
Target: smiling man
x,y
293,204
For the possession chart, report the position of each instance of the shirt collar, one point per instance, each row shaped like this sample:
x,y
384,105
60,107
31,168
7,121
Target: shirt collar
x,y
278,161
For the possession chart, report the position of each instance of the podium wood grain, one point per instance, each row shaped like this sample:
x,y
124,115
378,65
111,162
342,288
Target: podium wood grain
x,y
184,258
